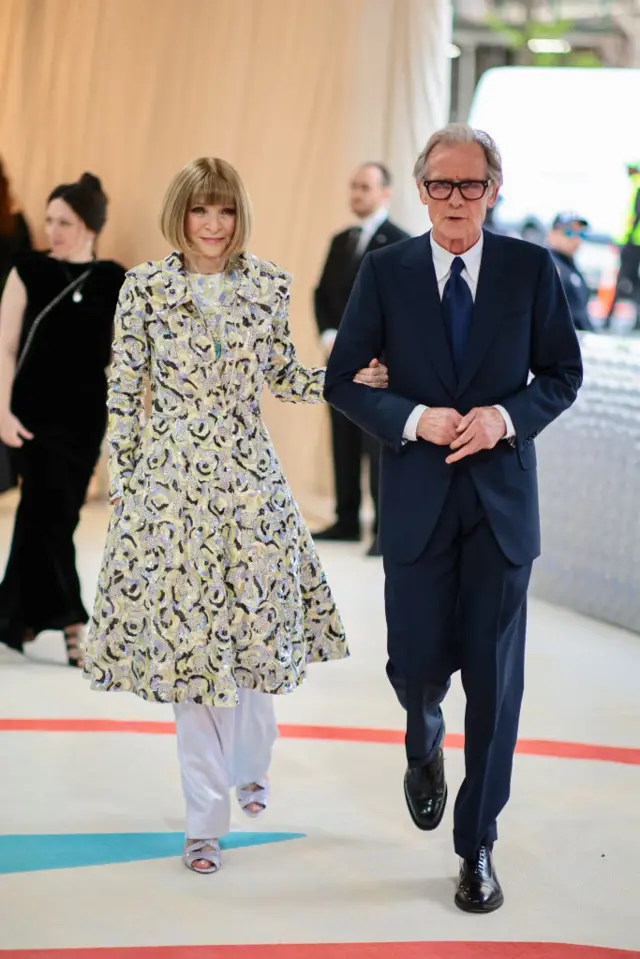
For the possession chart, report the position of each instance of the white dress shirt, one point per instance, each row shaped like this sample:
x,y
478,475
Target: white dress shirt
x,y
442,260
367,228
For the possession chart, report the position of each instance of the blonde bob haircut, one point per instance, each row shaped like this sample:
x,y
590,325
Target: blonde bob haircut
x,y
207,181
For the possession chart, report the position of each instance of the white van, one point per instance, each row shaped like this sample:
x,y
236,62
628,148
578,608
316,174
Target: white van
x,y
566,135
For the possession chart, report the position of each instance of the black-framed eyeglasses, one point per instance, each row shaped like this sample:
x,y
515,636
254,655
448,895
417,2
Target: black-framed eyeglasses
x,y
469,189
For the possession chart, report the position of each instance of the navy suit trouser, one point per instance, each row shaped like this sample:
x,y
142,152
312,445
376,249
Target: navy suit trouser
x,y
461,605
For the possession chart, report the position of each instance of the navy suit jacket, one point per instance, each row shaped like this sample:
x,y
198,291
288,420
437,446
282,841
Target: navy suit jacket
x,y
521,325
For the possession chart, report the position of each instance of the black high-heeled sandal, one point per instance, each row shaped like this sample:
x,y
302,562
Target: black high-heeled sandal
x,y
74,642
17,643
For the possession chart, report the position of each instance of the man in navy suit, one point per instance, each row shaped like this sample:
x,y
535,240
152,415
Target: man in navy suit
x,y
482,355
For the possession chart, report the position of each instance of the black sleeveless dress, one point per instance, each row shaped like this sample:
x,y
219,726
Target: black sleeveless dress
x,y
60,396
12,244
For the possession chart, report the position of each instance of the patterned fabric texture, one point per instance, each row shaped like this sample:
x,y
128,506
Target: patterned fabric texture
x,y
210,580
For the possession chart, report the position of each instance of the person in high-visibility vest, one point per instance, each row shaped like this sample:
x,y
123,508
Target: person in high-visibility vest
x,y
628,282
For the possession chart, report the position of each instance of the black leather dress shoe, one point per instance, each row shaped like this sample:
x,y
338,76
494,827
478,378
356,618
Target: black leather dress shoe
x,y
338,532
425,790
478,887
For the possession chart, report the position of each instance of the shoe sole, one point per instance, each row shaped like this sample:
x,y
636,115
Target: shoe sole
x,y
477,909
413,816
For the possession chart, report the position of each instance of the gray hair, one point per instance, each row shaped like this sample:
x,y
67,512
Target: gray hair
x,y
455,133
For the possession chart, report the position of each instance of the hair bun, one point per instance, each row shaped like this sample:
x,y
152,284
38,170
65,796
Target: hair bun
x,y
91,181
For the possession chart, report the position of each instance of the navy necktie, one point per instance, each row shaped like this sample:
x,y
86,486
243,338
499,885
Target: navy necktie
x,y
457,307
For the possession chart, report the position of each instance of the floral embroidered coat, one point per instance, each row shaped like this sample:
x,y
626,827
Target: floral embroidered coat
x,y
210,580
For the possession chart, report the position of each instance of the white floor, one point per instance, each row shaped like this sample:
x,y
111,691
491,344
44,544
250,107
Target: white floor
x,y
569,849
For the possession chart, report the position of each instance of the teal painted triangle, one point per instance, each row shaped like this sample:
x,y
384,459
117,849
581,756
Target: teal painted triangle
x,y
33,853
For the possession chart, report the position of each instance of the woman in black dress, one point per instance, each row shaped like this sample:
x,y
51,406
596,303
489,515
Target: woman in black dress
x,y
53,409
14,238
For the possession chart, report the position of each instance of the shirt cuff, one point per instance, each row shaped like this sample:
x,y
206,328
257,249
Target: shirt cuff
x,y
328,338
508,422
410,427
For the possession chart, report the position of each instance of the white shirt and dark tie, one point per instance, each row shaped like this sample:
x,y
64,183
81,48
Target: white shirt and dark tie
x,y
370,225
442,260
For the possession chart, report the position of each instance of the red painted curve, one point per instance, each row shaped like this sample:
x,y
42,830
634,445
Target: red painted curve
x,y
351,950
529,747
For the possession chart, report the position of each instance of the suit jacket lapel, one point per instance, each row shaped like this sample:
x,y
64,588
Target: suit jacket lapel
x,y
488,311
379,239
423,302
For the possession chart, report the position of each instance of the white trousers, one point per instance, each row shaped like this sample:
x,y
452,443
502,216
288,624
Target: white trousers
x,y
220,747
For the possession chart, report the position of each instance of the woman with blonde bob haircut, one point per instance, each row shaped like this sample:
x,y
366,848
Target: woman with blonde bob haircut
x,y
219,182
211,596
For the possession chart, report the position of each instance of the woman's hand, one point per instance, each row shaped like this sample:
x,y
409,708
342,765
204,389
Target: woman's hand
x,y
12,432
375,375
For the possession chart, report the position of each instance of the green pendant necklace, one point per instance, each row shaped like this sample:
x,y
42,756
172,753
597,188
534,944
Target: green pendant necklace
x,y
216,339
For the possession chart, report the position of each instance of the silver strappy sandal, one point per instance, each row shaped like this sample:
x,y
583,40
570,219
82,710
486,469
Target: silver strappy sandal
x,y
198,850
249,797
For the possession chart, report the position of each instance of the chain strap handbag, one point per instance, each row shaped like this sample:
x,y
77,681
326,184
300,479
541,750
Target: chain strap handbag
x,y
8,478
41,315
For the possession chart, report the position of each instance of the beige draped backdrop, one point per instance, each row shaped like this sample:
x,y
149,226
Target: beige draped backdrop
x,y
293,92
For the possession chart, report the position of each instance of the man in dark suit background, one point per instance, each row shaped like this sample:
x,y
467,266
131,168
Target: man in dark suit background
x,y
464,316
369,195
